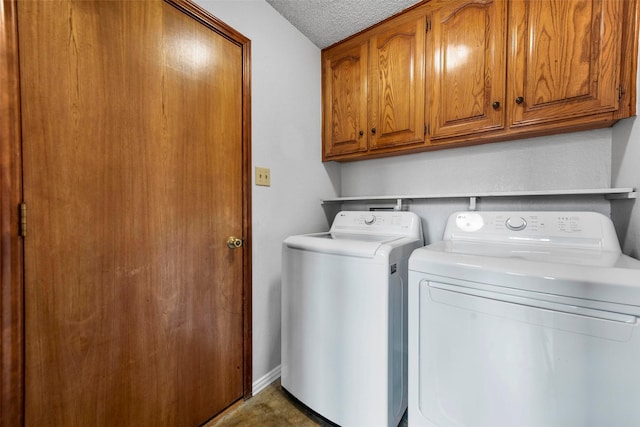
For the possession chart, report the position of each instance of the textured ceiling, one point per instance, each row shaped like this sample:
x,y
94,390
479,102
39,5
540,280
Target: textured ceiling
x,y
325,22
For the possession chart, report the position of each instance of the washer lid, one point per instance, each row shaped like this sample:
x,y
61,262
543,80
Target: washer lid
x,y
358,245
588,274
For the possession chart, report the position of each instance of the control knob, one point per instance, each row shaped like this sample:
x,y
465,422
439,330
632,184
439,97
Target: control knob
x,y
516,223
370,219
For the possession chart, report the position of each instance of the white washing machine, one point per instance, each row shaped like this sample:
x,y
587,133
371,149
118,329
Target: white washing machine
x,y
344,317
524,319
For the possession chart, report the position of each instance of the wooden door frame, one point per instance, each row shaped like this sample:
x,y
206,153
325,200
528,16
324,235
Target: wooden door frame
x,y
11,249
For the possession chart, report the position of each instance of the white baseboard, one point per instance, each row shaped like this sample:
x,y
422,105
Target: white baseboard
x,y
261,383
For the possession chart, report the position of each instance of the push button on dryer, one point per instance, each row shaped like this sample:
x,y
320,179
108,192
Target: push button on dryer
x,y
469,221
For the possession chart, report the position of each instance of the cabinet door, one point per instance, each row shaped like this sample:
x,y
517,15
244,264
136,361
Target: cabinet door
x,y
345,100
565,56
466,66
397,84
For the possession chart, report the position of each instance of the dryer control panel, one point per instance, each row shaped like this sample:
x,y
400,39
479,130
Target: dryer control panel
x,y
588,230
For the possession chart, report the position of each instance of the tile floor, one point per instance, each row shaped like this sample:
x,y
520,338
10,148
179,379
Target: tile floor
x,y
273,407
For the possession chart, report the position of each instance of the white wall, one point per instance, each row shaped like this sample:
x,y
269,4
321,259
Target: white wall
x,y
567,161
286,132
626,173
577,160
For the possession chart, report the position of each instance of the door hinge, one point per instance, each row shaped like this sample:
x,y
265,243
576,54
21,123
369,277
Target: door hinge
x,y
620,92
428,25
23,220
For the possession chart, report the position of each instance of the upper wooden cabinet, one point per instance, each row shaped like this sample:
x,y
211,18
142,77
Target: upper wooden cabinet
x,y
565,59
461,72
373,90
344,97
396,80
466,51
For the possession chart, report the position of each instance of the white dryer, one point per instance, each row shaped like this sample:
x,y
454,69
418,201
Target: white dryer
x,y
524,319
344,317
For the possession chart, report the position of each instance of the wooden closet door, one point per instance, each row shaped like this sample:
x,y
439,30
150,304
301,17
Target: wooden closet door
x,y
133,178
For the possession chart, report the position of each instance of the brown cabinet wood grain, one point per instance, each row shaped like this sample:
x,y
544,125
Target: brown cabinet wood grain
x,y
397,85
467,68
565,59
373,91
480,71
345,99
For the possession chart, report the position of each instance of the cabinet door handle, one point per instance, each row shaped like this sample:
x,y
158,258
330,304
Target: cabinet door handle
x,y
361,133
519,100
373,131
496,105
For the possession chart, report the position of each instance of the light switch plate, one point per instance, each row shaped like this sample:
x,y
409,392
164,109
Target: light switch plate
x,y
263,176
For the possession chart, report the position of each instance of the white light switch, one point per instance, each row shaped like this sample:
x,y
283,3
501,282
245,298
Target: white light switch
x,y
263,176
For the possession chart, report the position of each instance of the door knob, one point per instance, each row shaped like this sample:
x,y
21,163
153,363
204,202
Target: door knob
x,y
496,105
519,100
234,242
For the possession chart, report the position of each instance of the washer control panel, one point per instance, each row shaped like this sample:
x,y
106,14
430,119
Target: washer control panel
x,y
577,229
369,219
399,223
